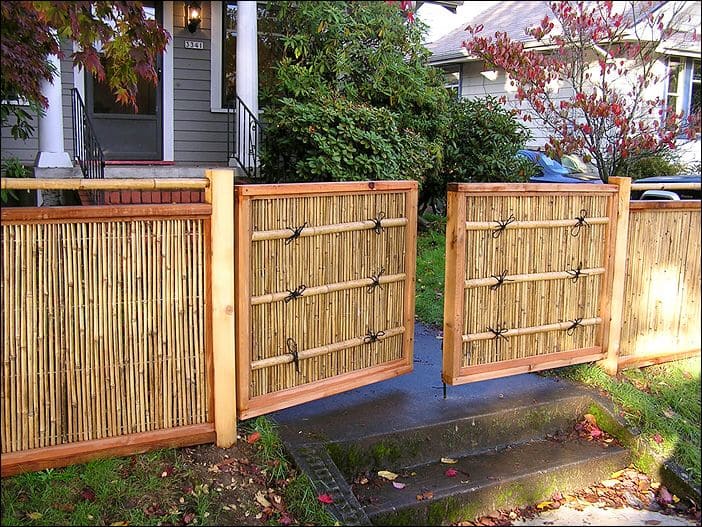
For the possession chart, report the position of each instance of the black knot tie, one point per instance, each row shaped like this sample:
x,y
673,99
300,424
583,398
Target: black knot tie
x,y
292,349
375,281
498,333
378,227
577,323
575,229
575,273
295,233
294,294
372,337
501,279
502,225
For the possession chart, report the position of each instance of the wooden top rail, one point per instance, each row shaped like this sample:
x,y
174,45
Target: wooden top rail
x,y
314,189
103,184
487,335
104,213
532,277
336,228
532,188
535,224
683,204
323,350
665,186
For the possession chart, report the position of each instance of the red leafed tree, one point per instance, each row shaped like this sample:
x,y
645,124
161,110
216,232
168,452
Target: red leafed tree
x,y
109,35
604,57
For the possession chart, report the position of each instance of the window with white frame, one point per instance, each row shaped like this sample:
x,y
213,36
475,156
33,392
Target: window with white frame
x,y
683,89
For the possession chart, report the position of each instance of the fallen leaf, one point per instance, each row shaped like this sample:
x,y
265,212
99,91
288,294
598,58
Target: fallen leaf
x,y
34,515
657,438
325,498
664,497
262,500
544,504
65,507
652,522
609,483
168,471
284,520
591,419
676,499
426,495
253,438
122,523
451,473
87,494
188,517
387,475
449,460
398,485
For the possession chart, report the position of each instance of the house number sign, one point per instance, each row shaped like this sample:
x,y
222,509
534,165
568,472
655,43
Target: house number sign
x,y
194,44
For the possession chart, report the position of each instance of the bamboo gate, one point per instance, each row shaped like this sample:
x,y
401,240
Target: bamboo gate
x,y
528,277
325,289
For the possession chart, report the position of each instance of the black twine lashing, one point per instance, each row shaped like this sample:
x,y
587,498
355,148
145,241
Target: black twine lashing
x,y
378,227
577,323
575,229
499,332
502,225
372,337
501,279
294,294
295,233
375,281
292,349
575,273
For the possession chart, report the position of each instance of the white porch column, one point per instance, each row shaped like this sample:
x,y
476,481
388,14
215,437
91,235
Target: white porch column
x,y
51,153
246,72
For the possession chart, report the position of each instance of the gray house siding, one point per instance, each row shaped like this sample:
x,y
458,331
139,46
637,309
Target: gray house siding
x,y
200,135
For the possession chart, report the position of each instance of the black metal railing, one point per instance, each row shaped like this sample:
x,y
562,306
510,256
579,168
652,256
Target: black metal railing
x,y
243,136
86,147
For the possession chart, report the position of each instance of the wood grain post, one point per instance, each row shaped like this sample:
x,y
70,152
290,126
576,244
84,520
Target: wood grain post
x,y
220,194
454,294
612,304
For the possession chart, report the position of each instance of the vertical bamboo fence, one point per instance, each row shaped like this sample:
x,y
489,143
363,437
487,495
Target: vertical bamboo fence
x,y
662,306
325,289
105,324
527,277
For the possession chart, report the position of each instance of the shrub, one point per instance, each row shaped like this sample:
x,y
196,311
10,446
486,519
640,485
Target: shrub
x,y
663,163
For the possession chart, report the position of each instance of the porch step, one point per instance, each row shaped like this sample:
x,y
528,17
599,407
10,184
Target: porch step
x,y
124,170
511,476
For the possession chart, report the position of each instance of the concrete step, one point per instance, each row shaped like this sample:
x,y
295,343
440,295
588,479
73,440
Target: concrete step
x,y
521,474
486,431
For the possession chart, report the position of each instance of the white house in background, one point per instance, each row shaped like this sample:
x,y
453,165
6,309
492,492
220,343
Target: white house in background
x,y
220,54
678,64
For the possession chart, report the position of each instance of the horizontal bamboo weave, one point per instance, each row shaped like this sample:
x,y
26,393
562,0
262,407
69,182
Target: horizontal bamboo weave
x,y
553,247
103,330
336,266
662,291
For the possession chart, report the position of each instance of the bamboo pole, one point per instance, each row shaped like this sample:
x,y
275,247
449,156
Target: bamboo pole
x,y
221,183
280,234
534,224
665,186
323,350
102,184
329,288
613,304
487,335
532,277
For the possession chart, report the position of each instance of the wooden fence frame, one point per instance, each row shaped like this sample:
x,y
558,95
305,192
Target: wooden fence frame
x,y
219,319
452,371
333,385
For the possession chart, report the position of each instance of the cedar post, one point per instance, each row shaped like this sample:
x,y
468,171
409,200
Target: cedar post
x,y
220,194
613,299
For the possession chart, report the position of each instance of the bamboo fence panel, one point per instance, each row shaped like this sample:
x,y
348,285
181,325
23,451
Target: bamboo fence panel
x,y
103,329
533,270
319,300
662,291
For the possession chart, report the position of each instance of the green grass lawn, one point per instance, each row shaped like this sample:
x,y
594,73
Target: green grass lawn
x,y
431,246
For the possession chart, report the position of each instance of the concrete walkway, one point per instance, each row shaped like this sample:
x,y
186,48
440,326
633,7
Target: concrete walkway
x,y
598,516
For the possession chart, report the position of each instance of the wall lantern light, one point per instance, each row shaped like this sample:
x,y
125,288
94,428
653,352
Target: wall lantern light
x,y
194,15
